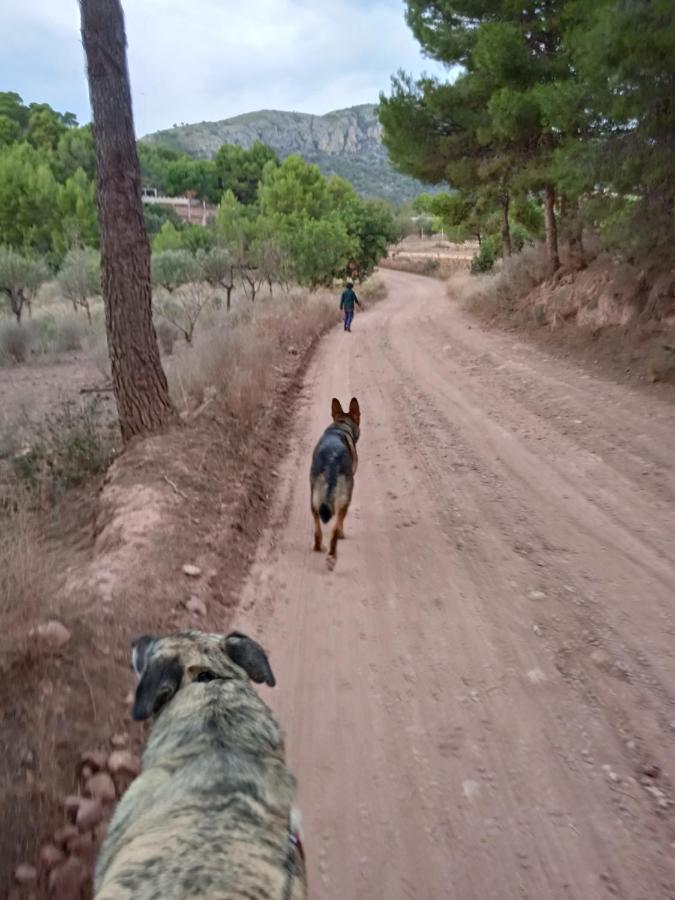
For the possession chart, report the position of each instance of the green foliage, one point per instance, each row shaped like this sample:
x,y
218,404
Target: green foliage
x,y
156,215
570,95
172,268
319,250
46,179
20,280
75,152
76,222
485,259
28,195
303,207
240,170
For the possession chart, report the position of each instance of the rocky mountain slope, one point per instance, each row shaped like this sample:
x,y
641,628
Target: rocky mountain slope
x,y
347,142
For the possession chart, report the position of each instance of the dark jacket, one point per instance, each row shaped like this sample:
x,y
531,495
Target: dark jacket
x,y
348,299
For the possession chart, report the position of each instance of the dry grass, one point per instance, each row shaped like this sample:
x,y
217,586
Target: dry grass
x,y
24,575
237,356
500,295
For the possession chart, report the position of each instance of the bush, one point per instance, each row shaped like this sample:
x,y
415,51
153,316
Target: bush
x,y
69,335
71,445
484,260
373,290
167,335
500,294
14,343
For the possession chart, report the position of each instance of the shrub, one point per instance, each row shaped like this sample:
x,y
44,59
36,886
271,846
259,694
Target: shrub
x,y
69,335
14,343
167,335
70,445
484,260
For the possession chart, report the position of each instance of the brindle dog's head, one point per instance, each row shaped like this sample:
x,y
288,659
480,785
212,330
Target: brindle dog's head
x,y
165,665
351,419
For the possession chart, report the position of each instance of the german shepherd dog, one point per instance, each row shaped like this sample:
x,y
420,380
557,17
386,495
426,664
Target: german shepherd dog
x,y
331,476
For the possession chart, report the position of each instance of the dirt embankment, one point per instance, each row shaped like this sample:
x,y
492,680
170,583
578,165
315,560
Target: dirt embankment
x,y
611,315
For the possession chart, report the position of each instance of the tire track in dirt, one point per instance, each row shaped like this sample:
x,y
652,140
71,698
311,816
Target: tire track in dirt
x,y
472,697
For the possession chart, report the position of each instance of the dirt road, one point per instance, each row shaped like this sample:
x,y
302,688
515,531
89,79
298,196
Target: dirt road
x,y
479,700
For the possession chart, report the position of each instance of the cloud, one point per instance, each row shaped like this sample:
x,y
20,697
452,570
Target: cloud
x,y
212,59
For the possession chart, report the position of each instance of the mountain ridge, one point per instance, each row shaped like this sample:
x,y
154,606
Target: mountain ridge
x,y
345,142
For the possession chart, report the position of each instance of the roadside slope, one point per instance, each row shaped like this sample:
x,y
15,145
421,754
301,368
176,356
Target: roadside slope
x,y
479,701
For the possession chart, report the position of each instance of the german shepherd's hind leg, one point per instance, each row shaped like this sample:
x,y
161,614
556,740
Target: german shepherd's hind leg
x,y
340,526
318,536
336,534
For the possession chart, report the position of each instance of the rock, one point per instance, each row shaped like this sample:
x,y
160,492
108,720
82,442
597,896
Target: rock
x,y
101,787
657,793
63,835
651,770
124,762
82,845
121,740
25,874
67,880
293,350
191,571
50,856
537,595
95,759
89,814
53,635
196,606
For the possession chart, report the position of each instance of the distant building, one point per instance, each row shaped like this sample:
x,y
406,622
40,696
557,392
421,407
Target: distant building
x,y
189,209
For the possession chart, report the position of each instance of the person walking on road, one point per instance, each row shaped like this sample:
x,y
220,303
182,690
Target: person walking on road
x,y
347,301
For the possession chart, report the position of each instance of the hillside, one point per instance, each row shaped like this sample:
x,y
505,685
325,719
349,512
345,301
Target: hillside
x,y
347,142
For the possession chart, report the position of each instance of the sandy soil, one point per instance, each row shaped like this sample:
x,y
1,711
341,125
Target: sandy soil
x,y
479,700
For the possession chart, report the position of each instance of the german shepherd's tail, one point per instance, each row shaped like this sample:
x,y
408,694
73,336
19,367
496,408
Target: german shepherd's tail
x,y
324,493
325,513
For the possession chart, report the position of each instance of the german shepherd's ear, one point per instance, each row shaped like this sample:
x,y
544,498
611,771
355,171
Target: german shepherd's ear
x,y
354,411
249,656
336,409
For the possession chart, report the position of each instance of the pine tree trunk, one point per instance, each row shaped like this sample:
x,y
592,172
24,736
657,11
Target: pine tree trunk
x,y
139,382
551,229
570,226
506,228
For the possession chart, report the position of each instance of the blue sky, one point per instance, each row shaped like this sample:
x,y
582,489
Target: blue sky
x,y
192,60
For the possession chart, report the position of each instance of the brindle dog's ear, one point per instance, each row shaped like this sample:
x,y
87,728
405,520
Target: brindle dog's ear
x,y
140,650
159,683
249,656
354,411
336,409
